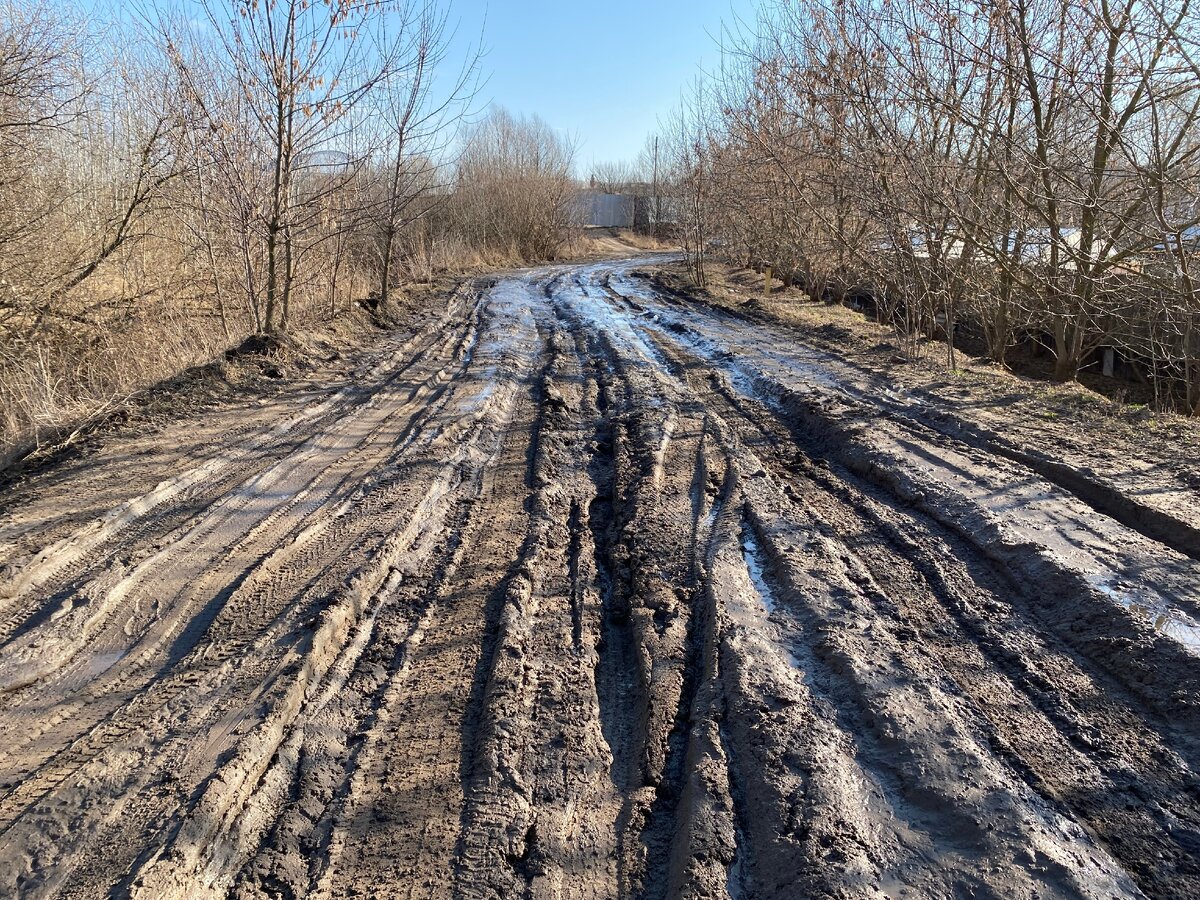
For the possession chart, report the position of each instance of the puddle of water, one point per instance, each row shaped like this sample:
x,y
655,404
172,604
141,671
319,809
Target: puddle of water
x,y
753,558
1169,622
751,554
735,880
742,382
101,663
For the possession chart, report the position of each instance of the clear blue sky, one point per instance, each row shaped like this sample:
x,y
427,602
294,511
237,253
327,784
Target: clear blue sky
x,y
603,72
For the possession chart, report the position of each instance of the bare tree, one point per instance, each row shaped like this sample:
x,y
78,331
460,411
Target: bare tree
x,y
419,129
514,191
615,177
300,69
1028,167
690,159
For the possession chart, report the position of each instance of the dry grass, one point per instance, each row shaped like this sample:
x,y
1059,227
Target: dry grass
x,y
50,405
744,290
598,243
101,350
52,387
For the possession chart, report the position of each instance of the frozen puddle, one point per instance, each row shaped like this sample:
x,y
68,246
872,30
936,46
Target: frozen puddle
x,y
1095,547
751,554
1169,622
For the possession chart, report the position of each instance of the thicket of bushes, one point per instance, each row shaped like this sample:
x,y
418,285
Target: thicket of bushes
x,y
184,177
1028,167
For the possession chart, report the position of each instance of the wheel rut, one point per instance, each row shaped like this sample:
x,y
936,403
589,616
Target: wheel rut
x,y
578,592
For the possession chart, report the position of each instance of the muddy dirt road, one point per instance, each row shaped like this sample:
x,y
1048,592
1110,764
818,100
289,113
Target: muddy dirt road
x,y
581,591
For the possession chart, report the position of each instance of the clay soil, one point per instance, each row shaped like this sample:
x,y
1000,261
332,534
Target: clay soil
x,y
585,586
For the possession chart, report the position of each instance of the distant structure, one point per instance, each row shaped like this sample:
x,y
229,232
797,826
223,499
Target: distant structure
x,y
600,210
633,209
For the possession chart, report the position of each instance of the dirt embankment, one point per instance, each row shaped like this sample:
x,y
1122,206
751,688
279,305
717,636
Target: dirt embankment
x,y
583,589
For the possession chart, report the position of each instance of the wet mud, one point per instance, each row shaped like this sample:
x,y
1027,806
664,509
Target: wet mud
x,y
579,590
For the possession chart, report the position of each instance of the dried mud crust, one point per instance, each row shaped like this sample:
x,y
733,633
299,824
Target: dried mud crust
x,y
581,590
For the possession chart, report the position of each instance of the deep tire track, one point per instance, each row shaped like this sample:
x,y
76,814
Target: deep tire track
x,y
579,593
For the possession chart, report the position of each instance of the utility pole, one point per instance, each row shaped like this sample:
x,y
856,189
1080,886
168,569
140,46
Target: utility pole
x,y
657,211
